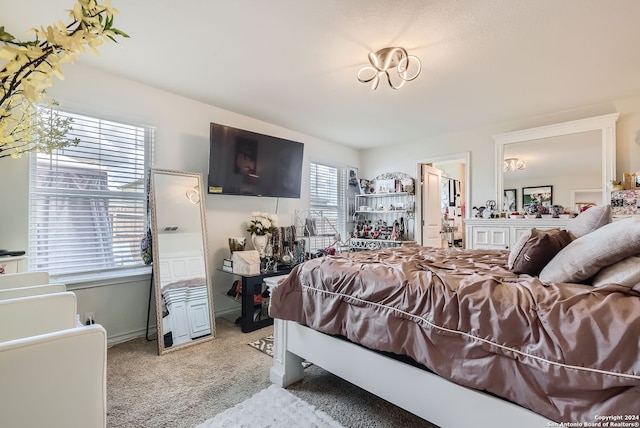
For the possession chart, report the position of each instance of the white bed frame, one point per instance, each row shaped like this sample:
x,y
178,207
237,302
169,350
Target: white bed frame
x,y
418,391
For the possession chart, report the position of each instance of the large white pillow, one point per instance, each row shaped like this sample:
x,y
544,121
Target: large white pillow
x,y
585,256
589,220
626,272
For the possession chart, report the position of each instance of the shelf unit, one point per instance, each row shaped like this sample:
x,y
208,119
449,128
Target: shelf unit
x,y
318,230
383,220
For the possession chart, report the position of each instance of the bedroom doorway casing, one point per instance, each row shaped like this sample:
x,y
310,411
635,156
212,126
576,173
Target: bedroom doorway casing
x,y
459,162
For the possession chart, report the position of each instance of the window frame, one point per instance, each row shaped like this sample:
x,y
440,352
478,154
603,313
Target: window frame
x,y
133,269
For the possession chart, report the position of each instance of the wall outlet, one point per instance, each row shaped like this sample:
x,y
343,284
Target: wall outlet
x,y
89,318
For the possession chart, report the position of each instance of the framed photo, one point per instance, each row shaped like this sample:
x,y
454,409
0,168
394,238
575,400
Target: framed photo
x,y
352,178
637,180
541,195
510,200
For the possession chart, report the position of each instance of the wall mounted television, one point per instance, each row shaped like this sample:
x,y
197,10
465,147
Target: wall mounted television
x,y
248,163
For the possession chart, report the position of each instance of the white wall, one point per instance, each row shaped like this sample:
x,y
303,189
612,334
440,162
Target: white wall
x,y
479,141
182,143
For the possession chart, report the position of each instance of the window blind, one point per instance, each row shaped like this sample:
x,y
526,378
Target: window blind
x,y
327,195
88,203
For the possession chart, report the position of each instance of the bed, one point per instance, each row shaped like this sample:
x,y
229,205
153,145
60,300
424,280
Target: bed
x,y
542,335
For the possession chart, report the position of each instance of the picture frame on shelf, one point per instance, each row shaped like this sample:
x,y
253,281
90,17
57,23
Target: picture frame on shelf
x,y
540,195
510,200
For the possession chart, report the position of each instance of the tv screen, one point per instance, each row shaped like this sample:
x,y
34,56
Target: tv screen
x,y
247,163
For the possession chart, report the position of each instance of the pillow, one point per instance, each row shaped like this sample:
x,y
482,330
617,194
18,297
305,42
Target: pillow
x,y
539,249
626,272
589,220
585,256
517,247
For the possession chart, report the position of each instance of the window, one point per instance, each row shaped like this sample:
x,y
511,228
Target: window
x,y
88,203
327,197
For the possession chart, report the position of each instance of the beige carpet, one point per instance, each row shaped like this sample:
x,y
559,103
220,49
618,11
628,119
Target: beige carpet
x,y
189,386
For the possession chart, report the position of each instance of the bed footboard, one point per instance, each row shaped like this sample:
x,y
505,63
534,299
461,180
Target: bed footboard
x,y
418,391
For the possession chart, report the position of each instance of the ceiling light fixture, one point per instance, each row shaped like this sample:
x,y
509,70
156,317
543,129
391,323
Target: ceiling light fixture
x,y
513,164
390,59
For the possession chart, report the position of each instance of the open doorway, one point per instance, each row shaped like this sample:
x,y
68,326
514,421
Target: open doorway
x,y
454,173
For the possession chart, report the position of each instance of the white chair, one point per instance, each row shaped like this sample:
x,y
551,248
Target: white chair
x,y
23,279
36,290
52,373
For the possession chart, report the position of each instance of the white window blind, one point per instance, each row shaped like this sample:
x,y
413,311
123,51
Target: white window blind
x,y
327,197
88,202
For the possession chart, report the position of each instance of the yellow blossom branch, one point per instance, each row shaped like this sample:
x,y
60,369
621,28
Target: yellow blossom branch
x,y
29,69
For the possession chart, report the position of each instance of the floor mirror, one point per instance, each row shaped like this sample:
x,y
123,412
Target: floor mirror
x,y
181,274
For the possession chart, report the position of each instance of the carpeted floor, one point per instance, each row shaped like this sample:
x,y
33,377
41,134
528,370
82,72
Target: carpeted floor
x,y
185,388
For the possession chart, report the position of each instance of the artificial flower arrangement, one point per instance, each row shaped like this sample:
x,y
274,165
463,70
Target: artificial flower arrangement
x,y
27,69
262,223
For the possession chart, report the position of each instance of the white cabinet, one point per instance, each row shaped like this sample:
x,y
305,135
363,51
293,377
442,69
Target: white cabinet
x,y
383,220
502,234
490,237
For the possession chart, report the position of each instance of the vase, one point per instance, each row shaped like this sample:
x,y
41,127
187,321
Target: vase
x,y
260,243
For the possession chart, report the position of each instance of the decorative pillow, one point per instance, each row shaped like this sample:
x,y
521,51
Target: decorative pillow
x,y
585,256
626,272
517,247
539,249
589,220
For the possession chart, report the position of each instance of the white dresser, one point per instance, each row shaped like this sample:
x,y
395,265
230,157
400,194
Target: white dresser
x,y
502,233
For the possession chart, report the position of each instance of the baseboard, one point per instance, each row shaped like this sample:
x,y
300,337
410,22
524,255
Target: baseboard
x,y
125,337
230,313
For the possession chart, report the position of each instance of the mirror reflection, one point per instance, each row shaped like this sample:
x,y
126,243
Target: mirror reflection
x,y
569,164
571,161
184,304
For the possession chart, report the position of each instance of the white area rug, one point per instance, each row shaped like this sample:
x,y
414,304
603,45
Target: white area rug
x,y
272,407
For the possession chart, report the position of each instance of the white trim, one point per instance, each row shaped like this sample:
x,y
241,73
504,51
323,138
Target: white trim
x,y
418,187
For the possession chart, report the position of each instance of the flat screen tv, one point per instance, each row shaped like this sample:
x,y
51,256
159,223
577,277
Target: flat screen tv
x,y
247,163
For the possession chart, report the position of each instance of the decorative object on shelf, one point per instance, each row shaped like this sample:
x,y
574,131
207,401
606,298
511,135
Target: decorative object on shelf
x,y
615,185
237,244
385,185
260,243
262,223
630,181
513,164
30,69
396,59
246,262
260,226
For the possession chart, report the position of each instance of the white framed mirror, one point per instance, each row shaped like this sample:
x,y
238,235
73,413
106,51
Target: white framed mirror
x,y
570,157
181,272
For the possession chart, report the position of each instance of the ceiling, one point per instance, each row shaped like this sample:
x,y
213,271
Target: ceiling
x,y
293,63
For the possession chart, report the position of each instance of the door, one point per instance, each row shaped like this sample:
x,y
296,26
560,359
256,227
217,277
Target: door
x,y
431,207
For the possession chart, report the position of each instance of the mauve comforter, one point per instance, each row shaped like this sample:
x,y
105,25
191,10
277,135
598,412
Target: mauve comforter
x,y
566,351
